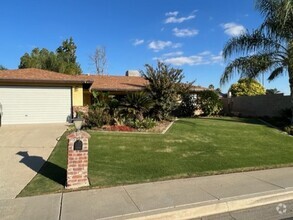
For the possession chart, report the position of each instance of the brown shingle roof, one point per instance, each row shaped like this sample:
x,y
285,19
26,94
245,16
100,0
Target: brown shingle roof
x,y
37,75
99,83
115,83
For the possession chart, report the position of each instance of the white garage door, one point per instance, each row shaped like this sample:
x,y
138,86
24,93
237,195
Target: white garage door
x,y
31,105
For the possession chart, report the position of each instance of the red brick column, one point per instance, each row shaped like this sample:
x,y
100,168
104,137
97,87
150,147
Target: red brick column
x,y
77,164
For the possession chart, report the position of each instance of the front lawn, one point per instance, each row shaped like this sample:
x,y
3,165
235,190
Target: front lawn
x,y
192,147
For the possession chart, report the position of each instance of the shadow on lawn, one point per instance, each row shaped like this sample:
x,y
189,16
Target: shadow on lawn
x,y
43,167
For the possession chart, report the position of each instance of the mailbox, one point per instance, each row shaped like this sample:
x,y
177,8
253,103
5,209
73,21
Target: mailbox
x,y
77,145
77,161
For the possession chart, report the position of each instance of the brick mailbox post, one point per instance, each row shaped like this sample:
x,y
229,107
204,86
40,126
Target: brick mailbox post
x,y
77,164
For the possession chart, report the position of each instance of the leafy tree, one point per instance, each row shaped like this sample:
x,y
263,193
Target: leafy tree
x,y
209,102
164,88
63,61
67,59
272,91
41,59
269,48
247,87
211,86
2,67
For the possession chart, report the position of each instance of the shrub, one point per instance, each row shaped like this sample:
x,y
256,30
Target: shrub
x,y
209,102
289,129
97,118
165,86
146,123
186,107
136,105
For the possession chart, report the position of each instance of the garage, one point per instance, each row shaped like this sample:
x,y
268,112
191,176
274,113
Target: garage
x,y
32,104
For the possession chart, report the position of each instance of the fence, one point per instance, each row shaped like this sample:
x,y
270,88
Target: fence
x,y
257,106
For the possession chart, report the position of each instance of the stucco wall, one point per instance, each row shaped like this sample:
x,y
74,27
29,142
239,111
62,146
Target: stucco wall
x,y
257,106
77,96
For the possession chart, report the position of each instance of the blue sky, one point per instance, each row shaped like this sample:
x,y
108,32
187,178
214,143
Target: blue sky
x,y
188,34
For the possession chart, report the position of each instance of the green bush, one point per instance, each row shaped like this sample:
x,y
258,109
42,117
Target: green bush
x,y
146,123
186,107
209,102
97,118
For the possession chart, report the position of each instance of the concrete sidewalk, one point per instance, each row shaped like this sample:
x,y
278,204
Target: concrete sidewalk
x,y
175,199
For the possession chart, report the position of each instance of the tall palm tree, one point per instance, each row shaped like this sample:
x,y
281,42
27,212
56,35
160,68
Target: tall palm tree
x,y
266,49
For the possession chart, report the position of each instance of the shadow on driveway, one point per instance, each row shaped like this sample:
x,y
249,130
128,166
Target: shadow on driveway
x,y
48,169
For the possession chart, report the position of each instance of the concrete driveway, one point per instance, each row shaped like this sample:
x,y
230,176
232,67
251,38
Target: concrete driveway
x,y
18,141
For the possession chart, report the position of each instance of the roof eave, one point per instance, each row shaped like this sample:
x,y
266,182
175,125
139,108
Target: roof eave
x,y
45,81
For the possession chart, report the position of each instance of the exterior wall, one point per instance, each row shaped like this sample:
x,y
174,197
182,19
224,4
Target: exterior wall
x,y
87,98
257,106
77,95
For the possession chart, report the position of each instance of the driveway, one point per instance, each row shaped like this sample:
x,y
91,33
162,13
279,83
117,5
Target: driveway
x,y
17,142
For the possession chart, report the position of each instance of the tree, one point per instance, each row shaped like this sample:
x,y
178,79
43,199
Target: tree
x,y
272,91
212,87
2,67
164,88
63,60
67,59
209,103
247,87
136,104
41,59
269,48
99,59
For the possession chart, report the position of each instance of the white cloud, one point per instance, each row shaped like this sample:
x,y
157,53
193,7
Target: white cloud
x,y
172,17
172,54
138,42
175,19
233,29
160,45
172,13
183,60
184,32
203,58
176,45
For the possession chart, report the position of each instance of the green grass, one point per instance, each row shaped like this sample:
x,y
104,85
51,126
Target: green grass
x,y
192,147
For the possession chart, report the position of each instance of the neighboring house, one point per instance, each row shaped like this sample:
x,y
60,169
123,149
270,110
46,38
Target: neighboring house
x,y
39,96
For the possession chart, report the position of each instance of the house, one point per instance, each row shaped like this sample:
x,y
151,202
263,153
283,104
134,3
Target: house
x,y
32,95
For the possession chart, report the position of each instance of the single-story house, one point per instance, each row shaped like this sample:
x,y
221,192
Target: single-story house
x,y
29,96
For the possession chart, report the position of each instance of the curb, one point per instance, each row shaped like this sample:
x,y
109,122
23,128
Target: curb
x,y
168,127
198,210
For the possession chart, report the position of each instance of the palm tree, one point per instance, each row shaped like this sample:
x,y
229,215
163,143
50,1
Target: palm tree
x,y
272,91
266,49
137,104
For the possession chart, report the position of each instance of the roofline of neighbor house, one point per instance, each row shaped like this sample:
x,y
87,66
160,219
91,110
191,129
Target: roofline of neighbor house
x,y
116,90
